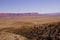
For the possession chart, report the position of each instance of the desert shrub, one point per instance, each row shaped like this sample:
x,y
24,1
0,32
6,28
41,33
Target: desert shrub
x,y
47,31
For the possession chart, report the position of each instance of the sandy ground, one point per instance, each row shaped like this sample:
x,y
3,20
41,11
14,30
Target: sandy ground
x,y
11,36
18,21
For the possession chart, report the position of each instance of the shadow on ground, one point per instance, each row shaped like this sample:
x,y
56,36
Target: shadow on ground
x,y
49,31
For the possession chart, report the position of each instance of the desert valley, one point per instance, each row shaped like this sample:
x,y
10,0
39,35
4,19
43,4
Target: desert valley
x,y
29,26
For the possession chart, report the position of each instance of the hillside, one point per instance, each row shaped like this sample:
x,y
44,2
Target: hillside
x,y
48,31
11,36
29,26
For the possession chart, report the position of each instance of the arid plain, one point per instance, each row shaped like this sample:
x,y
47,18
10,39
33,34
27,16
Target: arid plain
x,y
12,24
12,20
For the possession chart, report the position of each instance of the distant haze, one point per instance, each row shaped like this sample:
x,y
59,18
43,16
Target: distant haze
x,y
28,6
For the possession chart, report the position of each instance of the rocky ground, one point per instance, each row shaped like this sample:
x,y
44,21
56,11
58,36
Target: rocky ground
x,y
48,31
11,36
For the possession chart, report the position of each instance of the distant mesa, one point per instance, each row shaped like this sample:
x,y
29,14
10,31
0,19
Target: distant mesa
x,y
27,14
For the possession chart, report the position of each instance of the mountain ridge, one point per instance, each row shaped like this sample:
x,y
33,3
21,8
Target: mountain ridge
x,y
27,14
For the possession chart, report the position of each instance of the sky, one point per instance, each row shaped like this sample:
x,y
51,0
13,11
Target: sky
x,y
28,6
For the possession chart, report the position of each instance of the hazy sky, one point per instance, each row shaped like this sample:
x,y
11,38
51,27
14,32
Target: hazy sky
x,y
24,6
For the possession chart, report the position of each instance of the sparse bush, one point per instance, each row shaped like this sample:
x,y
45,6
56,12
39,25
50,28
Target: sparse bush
x,y
49,31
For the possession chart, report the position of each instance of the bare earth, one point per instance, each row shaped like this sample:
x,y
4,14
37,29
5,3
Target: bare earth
x,y
16,22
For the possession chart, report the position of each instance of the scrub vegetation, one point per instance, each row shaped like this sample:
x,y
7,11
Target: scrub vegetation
x,y
48,31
